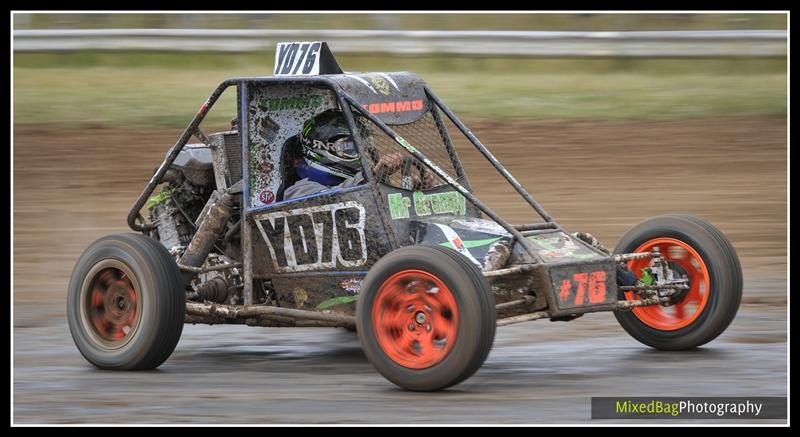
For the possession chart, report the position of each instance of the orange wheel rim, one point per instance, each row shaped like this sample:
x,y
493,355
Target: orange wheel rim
x,y
416,318
691,305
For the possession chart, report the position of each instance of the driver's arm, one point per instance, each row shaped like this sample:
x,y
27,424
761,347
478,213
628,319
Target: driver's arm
x,y
391,162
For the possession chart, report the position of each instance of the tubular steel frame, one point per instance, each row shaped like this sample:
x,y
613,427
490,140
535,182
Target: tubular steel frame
x,y
347,103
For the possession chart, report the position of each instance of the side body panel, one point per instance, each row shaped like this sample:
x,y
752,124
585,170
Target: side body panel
x,y
316,250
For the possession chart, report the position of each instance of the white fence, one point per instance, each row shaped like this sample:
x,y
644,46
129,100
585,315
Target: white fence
x,y
711,43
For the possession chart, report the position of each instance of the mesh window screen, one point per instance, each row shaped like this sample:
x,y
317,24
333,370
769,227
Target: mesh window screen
x,y
393,165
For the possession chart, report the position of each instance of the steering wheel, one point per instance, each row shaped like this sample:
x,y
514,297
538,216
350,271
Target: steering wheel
x,y
407,180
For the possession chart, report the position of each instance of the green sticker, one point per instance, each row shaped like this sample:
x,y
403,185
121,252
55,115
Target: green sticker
x,y
647,278
160,198
450,202
284,103
469,244
399,206
339,300
406,144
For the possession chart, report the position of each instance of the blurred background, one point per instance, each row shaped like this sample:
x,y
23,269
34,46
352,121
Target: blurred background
x,y
606,118
586,108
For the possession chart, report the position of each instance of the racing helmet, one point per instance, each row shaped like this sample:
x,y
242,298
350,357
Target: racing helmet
x,y
329,153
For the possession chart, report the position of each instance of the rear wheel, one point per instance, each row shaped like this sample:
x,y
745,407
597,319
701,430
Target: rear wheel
x,y
698,250
126,303
426,317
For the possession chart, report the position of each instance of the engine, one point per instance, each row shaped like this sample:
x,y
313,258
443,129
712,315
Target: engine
x,y
190,182
178,212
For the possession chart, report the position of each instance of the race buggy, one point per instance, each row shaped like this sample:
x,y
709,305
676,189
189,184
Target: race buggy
x,y
406,255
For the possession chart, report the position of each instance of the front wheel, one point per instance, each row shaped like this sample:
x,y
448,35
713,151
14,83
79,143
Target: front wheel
x,y
126,303
698,250
426,317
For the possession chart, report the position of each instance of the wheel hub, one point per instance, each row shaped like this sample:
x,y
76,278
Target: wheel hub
x,y
416,319
112,305
685,306
680,272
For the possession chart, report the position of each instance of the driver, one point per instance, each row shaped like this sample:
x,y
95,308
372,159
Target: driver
x,y
330,158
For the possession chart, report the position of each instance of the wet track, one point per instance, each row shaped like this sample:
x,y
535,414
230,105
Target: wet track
x,y
538,372
731,172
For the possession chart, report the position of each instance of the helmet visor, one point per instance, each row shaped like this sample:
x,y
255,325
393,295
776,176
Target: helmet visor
x,y
344,148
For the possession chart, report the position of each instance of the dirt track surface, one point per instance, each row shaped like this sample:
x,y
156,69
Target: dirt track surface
x,y
72,187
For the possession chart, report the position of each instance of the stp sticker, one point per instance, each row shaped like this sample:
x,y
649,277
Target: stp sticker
x,y
266,197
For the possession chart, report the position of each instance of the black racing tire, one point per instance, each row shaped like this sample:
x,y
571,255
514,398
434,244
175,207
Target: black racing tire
x,y
126,303
724,287
472,320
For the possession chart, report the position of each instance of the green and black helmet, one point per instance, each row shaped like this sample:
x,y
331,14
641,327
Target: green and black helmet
x,y
328,146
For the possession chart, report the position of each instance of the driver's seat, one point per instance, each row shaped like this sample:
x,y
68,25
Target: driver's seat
x,y
292,151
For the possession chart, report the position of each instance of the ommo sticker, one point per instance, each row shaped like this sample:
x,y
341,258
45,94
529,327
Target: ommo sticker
x,y
399,106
